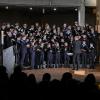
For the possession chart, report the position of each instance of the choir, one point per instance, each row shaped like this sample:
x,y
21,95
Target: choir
x,y
53,46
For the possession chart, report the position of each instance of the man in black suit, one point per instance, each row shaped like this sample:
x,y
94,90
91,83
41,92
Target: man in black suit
x,y
92,56
76,53
23,49
84,51
38,56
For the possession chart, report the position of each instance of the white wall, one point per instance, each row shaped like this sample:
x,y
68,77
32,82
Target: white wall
x,y
25,2
90,2
47,2
66,2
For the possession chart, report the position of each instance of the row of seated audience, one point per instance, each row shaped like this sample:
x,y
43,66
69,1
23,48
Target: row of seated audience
x,y
20,86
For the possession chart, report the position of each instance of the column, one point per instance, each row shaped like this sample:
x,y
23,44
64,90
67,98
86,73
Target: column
x,y
98,16
1,48
81,13
98,28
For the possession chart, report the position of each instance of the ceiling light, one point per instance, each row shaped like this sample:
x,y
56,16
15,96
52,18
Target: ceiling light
x,y
43,11
54,9
76,9
31,8
6,7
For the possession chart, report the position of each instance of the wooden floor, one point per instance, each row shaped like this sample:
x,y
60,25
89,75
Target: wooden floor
x,y
56,73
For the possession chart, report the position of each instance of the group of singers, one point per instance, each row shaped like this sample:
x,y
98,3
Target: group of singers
x,y
53,46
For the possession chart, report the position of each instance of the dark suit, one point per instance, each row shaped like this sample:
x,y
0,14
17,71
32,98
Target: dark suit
x,y
23,51
7,42
66,58
28,56
84,49
57,57
76,54
42,57
54,56
18,55
62,55
49,58
92,54
38,57
32,50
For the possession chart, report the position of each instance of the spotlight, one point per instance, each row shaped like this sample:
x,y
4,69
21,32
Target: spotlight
x,y
54,9
43,11
6,7
76,9
31,8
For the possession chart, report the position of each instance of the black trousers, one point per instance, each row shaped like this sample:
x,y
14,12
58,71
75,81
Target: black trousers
x,y
84,59
92,60
76,60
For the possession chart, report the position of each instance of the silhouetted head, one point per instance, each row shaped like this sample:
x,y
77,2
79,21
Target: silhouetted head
x,y
55,83
32,78
17,69
3,73
66,76
46,77
2,69
90,79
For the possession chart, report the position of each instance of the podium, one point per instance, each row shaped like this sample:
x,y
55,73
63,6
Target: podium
x,y
9,60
